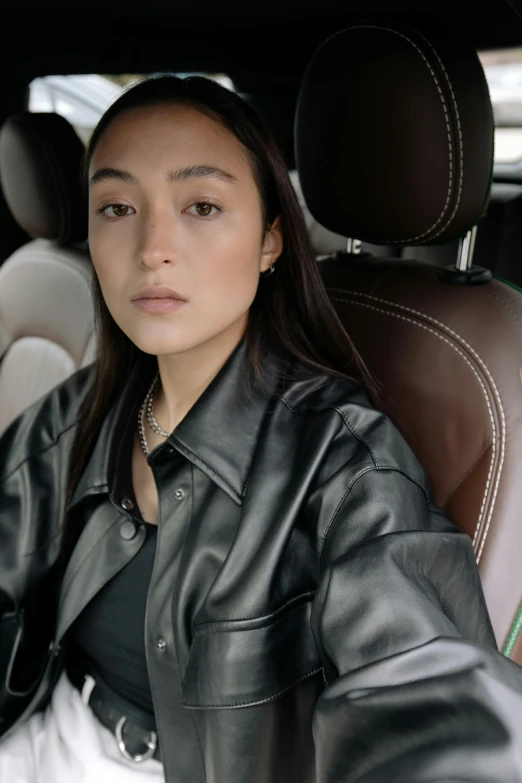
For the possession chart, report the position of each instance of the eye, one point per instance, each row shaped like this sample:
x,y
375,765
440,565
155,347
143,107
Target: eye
x,y
116,210
203,209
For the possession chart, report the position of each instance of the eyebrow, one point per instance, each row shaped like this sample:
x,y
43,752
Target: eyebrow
x,y
107,173
179,175
199,171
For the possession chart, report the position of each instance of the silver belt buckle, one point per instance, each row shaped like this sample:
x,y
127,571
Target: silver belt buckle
x,y
152,744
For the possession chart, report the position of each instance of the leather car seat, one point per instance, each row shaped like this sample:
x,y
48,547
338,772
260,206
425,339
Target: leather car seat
x,y
46,323
499,237
325,242
394,145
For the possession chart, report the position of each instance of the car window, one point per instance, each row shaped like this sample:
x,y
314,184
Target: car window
x,y
503,70
83,98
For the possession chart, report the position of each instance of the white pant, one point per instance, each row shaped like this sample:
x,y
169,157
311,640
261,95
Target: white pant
x,y
68,744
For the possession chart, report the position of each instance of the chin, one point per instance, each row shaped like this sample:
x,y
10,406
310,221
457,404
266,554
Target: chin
x,y
163,341
163,347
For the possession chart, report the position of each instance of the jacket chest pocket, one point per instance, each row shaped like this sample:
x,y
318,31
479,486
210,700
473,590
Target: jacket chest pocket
x,y
241,663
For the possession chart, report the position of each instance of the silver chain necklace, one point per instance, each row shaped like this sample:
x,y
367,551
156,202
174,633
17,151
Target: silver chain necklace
x,y
146,409
150,412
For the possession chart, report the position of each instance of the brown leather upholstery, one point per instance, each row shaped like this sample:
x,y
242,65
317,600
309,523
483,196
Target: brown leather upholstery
x,y
417,163
449,359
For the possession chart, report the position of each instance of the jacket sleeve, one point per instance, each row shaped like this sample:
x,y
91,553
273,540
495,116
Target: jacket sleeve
x,y
34,451
416,691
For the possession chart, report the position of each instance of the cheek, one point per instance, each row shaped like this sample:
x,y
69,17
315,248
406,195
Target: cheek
x,y
229,261
107,257
226,285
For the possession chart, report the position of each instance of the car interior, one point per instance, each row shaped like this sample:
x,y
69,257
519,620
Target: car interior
x,y
386,122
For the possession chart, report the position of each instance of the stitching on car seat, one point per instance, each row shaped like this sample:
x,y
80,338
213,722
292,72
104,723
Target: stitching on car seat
x,y
496,394
444,339
448,128
490,377
459,129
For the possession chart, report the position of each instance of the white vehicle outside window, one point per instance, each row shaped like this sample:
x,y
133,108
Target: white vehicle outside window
x,y
503,70
83,98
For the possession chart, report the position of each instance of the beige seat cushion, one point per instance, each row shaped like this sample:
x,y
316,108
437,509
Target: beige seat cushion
x,y
46,322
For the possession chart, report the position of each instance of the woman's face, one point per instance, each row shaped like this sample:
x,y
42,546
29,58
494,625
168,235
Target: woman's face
x,y
173,203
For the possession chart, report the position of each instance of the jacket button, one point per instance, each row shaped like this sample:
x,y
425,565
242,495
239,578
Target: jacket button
x,y
179,494
127,504
128,530
162,644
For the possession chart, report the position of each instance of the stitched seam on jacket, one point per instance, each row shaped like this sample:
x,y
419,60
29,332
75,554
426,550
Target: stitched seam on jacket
x,y
487,372
255,450
288,606
257,701
202,755
400,653
41,548
210,470
358,437
66,586
336,511
381,469
37,453
354,432
448,130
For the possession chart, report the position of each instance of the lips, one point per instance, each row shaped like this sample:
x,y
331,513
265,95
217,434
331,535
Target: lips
x,y
158,292
158,299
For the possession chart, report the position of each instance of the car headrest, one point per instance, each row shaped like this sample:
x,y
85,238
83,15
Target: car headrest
x,y
394,134
40,162
324,242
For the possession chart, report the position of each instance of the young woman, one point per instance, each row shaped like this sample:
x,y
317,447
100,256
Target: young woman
x,y
219,562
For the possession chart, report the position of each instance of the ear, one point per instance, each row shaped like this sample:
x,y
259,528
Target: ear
x,y
272,245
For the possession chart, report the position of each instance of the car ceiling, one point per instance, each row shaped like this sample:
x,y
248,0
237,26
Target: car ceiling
x,y
264,47
273,38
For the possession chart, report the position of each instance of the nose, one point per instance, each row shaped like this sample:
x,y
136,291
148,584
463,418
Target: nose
x,y
157,241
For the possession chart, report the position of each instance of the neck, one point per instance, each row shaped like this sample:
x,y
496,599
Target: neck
x,y
185,376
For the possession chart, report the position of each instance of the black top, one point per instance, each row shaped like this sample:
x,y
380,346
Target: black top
x,y
111,628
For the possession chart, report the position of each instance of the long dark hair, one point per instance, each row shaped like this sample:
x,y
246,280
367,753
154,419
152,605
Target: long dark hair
x,y
291,315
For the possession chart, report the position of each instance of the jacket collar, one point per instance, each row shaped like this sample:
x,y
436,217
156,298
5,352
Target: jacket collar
x,y
218,434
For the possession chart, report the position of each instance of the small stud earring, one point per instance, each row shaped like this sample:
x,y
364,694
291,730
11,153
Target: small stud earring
x,y
267,273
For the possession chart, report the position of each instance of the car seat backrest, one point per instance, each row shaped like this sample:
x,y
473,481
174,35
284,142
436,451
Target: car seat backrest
x,y
394,142
46,323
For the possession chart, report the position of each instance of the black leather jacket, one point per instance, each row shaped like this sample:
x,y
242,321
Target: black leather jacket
x,y
323,620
